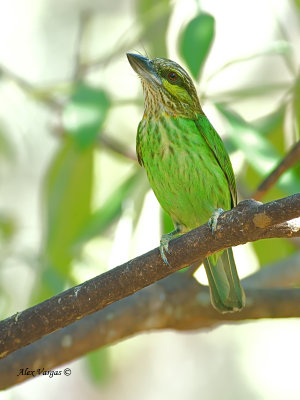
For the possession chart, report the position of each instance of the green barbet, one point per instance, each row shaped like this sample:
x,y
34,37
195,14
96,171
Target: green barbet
x,y
187,165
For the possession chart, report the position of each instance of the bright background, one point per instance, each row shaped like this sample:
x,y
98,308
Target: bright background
x,y
70,208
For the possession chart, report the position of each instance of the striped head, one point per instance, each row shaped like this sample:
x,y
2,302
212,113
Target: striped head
x,y
167,87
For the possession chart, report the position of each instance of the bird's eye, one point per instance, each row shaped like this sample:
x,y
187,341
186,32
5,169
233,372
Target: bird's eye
x,y
172,76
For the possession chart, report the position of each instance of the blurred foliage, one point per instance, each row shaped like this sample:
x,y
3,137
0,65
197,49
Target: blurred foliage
x,y
70,221
85,113
98,363
260,153
104,216
68,190
7,228
6,147
195,42
153,16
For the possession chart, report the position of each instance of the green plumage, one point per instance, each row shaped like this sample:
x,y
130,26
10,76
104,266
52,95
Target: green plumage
x,y
187,166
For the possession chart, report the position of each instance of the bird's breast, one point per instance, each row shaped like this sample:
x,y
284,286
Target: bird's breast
x,y
182,170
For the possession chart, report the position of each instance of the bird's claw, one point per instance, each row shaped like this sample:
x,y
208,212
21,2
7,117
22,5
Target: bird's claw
x,y
164,247
213,220
164,242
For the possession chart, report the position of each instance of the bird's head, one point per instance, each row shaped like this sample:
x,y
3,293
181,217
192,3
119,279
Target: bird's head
x,y
167,87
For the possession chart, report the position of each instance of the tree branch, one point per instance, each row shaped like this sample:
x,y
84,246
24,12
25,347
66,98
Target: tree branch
x,y
177,302
283,274
249,221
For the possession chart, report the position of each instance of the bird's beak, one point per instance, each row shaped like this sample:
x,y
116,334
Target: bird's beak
x,y
144,68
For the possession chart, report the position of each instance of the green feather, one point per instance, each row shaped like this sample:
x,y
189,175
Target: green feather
x,y
217,146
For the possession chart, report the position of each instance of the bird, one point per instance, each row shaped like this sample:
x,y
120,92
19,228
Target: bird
x,y
187,166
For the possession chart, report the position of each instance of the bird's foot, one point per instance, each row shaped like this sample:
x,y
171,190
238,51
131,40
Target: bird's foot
x,y
164,243
213,220
164,246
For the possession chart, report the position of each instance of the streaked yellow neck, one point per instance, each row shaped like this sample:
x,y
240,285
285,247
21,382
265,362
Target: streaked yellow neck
x,y
158,102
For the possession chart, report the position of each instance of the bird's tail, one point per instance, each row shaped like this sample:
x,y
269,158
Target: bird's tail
x,y
226,292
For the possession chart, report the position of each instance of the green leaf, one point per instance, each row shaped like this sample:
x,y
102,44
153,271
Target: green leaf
x,y
258,151
270,123
68,190
195,42
99,365
85,113
297,3
102,218
8,227
69,184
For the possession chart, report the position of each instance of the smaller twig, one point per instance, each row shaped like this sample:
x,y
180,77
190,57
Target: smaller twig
x,y
288,161
255,91
116,146
102,140
29,88
21,82
83,20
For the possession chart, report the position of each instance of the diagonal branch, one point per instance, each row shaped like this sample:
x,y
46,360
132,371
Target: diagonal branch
x,y
292,157
249,221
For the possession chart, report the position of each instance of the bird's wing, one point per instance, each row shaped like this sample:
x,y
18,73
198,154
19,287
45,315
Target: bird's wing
x,y
217,146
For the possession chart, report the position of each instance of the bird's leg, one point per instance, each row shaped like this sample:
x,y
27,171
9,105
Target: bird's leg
x,y
213,220
164,242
